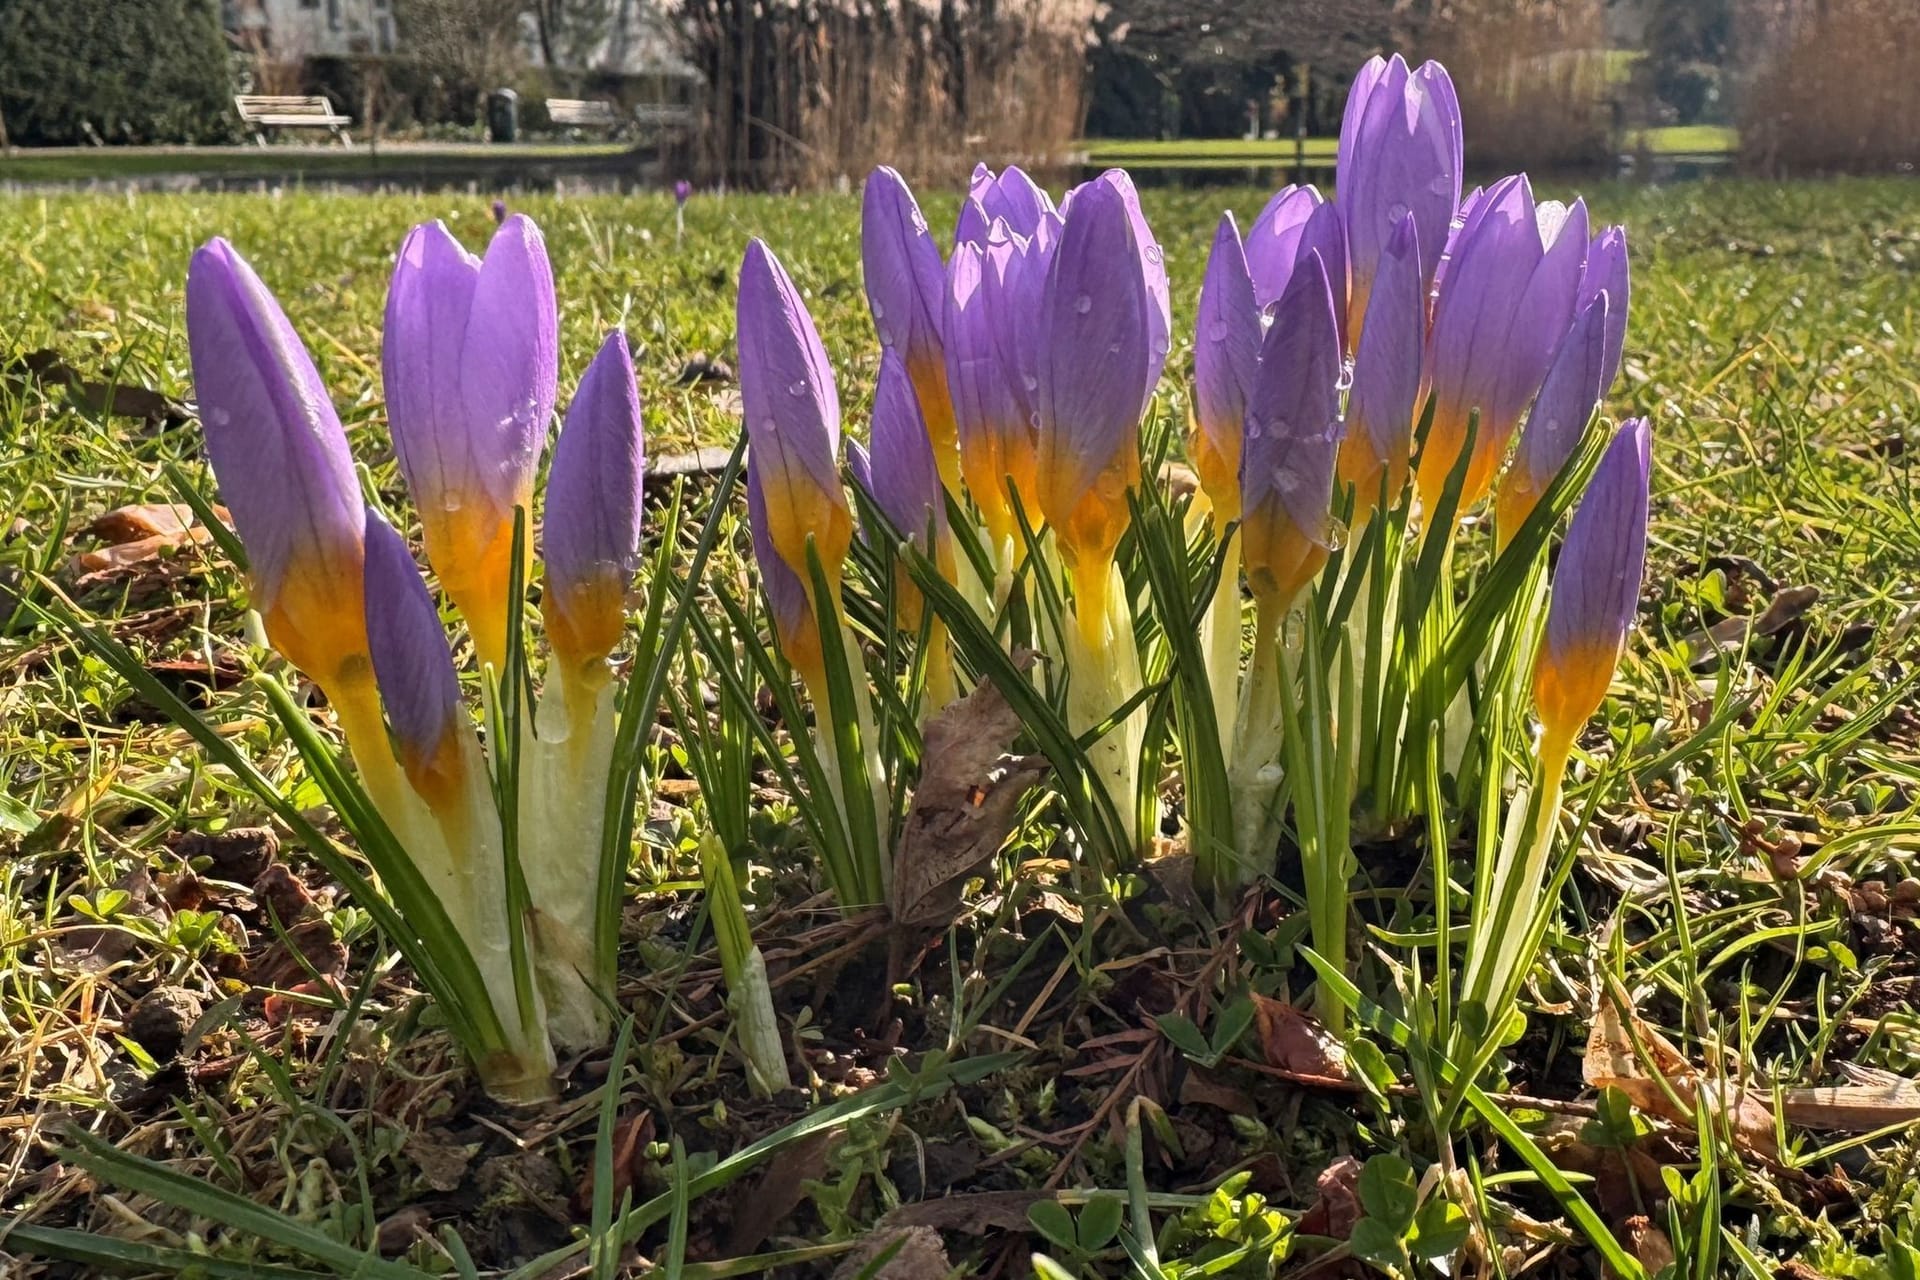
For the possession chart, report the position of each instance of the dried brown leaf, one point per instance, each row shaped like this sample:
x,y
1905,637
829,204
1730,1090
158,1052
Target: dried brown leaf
x,y
1611,1062
965,806
1293,1042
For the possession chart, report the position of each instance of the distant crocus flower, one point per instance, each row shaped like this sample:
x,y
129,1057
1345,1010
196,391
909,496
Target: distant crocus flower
x,y
499,212
470,364
1009,196
1386,376
995,432
1607,272
1292,440
682,191
1400,156
1096,369
1596,590
906,284
281,458
793,433
1567,399
415,670
1226,357
1508,298
591,537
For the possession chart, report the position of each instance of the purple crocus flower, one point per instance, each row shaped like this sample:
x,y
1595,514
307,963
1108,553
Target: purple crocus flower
x,y
415,671
1386,376
1153,270
1096,368
1297,222
1567,399
1292,440
682,191
993,424
793,433
499,212
591,538
1226,356
470,364
1400,156
1607,272
1596,590
906,288
900,476
281,458
1508,298
1009,196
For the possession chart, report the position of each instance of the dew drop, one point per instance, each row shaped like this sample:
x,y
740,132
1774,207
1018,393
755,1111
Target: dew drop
x,y
797,388
879,312
219,417
1153,254
1219,331
1253,429
1083,304
1396,211
1030,382
1286,481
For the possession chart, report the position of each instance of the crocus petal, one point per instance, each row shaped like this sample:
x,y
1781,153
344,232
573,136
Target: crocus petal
x,y
1012,197
1596,587
1153,270
904,481
786,592
1386,375
973,225
281,458
1226,355
906,284
996,438
1094,375
1400,155
470,364
1273,241
793,418
1567,399
1507,298
414,667
1607,272
591,538
1464,214
1292,440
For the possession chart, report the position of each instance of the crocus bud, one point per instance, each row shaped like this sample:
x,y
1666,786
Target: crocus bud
x,y
414,667
1292,439
1010,196
1096,368
281,458
1559,417
591,537
1596,589
1607,272
1508,298
996,435
902,480
1400,156
682,191
1226,356
499,212
1153,270
906,287
1386,376
470,363
793,435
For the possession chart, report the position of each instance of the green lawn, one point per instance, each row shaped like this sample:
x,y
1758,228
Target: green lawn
x,y
1756,905
403,162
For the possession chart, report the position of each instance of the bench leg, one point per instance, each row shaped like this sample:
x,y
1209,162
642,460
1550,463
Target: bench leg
x,y
259,138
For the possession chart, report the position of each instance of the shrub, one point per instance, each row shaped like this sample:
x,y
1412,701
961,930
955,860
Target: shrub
x,y
79,71
1833,88
1532,76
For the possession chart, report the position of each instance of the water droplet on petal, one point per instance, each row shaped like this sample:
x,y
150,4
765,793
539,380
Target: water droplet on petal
x,y
1030,382
1396,211
1153,254
797,388
1083,304
879,311
219,417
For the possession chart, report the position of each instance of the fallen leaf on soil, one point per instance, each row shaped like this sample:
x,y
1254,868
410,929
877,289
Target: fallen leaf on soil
x,y
976,1213
308,952
122,555
918,1254
1855,1108
120,400
239,854
966,804
778,1193
303,997
397,1233
630,1138
1294,1042
142,520
1337,1206
442,1164
1611,1062
1727,635
1649,1244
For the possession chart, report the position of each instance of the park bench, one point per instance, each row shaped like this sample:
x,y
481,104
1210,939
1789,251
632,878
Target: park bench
x,y
583,113
267,111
